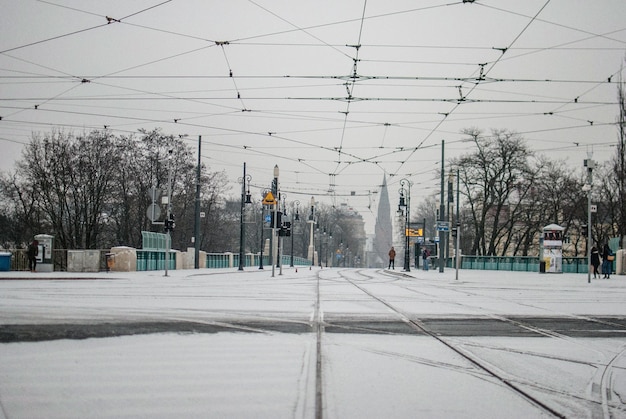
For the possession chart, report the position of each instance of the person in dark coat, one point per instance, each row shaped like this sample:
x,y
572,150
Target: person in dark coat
x,y
607,261
392,258
595,260
32,252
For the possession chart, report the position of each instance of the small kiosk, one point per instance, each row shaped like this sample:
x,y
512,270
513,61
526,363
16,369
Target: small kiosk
x,y
551,249
45,261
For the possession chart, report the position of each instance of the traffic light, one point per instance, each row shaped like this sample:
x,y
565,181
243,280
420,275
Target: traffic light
x,y
285,230
170,224
279,216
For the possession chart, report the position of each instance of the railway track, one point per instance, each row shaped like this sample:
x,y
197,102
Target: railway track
x,y
362,281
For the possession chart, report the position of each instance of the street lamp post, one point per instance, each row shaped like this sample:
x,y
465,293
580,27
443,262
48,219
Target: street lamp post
x,y
405,185
311,221
262,228
168,214
293,226
590,165
275,210
245,199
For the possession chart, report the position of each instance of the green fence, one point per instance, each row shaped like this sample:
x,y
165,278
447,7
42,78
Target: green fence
x,y
517,263
154,260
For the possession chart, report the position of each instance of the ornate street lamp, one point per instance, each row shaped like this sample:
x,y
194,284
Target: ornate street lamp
x,y
312,222
296,217
405,202
245,199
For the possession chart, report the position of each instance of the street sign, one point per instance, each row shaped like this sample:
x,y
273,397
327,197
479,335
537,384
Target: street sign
x,y
269,199
153,212
414,232
443,226
154,193
594,208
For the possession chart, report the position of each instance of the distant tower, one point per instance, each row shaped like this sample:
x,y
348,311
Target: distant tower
x,y
383,230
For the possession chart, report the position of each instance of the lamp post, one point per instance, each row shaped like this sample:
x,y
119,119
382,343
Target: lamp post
x,y
275,221
196,230
245,199
293,226
264,193
405,203
442,213
311,221
590,165
168,215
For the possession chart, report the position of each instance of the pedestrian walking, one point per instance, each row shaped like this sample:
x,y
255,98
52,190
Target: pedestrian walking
x,y
595,261
425,257
32,252
607,261
392,258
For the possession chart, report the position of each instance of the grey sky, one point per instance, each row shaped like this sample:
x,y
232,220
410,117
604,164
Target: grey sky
x,y
336,93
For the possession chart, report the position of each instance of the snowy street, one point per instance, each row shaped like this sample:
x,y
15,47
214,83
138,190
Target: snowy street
x,y
329,343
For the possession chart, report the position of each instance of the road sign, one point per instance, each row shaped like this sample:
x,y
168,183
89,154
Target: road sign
x,y
154,193
414,232
443,226
594,208
153,212
269,199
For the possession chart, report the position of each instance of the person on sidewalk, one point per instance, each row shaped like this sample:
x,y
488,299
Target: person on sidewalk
x,y
607,261
425,257
32,252
392,258
595,261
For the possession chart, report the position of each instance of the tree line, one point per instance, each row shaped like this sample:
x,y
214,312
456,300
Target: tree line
x,y
92,191
509,193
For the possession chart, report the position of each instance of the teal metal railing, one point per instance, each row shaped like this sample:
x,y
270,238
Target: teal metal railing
x,y
517,263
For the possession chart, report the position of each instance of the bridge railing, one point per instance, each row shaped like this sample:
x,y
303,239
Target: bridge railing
x,y
516,263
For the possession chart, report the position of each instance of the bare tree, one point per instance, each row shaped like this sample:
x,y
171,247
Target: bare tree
x,y
490,176
69,178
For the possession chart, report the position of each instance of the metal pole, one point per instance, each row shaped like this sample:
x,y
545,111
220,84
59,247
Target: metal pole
x,y
442,212
262,242
312,221
242,231
407,218
281,242
196,230
590,165
168,237
275,209
457,251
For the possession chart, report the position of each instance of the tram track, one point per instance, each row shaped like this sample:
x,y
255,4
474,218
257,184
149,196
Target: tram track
x,y
602,380
423,329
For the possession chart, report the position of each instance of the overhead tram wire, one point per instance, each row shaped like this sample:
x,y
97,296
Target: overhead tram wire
x,y
80,30
484,73
230,70
594,35
350,84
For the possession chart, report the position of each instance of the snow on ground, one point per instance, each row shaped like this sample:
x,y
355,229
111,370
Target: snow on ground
x,y
272,374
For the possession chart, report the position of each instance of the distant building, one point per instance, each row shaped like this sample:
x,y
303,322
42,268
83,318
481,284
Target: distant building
x,y
383,230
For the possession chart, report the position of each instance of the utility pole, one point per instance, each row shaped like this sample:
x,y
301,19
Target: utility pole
x,y
168,214
275,221
442,213
196,232
589,164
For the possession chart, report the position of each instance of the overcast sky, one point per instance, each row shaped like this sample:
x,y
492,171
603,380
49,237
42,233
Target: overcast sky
x,y
337,93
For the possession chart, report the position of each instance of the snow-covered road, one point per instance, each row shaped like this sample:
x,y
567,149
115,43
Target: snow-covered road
x,y
325,343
